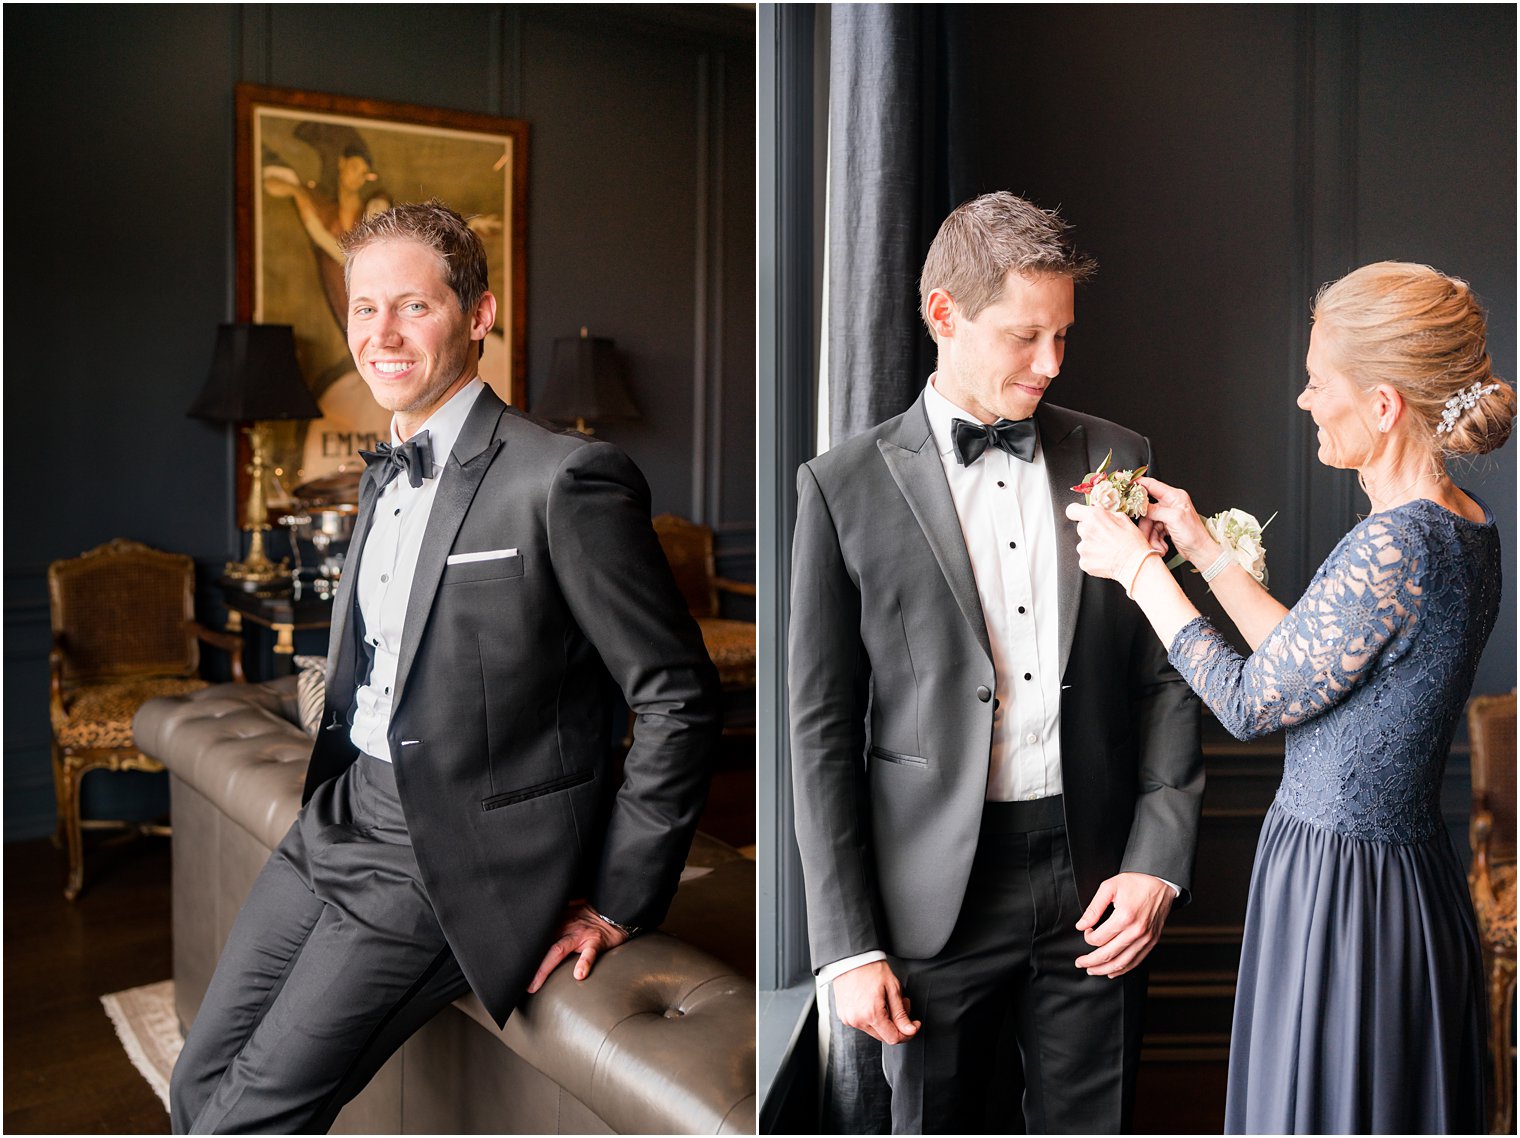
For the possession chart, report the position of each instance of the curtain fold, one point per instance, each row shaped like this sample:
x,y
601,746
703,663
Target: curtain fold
x,y
887,196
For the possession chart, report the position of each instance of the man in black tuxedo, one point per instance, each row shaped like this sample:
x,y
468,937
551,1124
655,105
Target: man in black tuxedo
x,y
456,825
997,773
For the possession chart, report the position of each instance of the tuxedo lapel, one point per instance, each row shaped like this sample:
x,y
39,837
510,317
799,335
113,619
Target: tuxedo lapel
x,y
1066,464
915,467
466,466
340,651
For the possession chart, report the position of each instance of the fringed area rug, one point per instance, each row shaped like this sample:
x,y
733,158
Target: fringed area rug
x,y
149,1031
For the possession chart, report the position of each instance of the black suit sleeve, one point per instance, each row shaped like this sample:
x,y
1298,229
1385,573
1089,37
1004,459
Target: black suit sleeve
x,y
828,682
619,588
1163,838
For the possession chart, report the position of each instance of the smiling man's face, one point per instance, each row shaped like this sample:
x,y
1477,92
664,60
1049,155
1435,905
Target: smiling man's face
x,y
999,365
411,343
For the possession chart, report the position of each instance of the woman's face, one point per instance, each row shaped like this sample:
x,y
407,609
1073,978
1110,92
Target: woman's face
x,y
353,172
1337,406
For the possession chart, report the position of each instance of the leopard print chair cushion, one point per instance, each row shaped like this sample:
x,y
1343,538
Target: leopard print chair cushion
x,y
1496,917
100,716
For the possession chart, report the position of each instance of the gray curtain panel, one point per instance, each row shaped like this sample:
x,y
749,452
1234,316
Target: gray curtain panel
x,y
887,198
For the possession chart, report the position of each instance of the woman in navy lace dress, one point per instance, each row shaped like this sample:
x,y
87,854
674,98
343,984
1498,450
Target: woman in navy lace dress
x,y
1360,1005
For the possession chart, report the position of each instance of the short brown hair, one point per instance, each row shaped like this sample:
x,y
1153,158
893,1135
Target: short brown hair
x,y
435,225
985,238
1425,335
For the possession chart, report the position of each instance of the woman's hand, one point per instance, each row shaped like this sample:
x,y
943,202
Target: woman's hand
x,y
1174,510
281,182
1109,543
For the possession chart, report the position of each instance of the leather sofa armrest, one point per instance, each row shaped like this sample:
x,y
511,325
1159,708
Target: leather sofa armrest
x,y
626,1040
236,744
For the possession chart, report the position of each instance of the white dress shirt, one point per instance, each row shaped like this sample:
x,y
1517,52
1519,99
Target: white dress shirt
x,y
387,564
1006,519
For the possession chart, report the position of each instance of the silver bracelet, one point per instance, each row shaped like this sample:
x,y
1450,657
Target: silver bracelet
x,y
629,931
1225,557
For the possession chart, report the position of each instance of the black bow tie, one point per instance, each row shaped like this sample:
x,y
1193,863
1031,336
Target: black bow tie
x,y
971,439
415,457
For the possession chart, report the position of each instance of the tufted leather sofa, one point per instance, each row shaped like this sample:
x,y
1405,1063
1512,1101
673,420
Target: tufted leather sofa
x,y
659,1039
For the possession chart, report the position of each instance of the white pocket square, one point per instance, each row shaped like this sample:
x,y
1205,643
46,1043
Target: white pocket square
x,y
484,555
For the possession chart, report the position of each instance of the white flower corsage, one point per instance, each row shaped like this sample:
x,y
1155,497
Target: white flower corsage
x,y
1240,535
1117,491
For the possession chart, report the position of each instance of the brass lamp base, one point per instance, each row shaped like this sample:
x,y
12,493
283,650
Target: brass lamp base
x,y
251,574
256,569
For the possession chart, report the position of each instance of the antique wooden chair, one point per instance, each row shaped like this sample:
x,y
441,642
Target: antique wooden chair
x,y
1491,725
731,643
124,631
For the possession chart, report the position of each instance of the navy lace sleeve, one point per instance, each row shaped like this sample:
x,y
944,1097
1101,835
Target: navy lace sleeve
x,y
1362,607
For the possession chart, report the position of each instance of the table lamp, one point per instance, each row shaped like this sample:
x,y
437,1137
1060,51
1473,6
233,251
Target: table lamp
x,y
254,379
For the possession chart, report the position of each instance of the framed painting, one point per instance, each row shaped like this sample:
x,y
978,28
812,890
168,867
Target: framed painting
x,y
309,167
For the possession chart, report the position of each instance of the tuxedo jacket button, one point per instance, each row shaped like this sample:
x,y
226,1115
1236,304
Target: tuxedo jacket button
x,y
983,694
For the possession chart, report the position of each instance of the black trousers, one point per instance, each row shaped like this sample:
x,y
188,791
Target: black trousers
x,y
335,959
1009,961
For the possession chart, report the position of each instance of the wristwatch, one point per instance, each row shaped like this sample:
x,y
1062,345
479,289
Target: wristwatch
x,y
629,931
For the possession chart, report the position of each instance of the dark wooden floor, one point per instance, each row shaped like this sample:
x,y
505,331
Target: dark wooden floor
x,y
65,1071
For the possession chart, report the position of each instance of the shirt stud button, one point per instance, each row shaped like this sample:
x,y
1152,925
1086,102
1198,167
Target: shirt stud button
x,y
1001,485
1013,545
384,577
983,694
1021,610
1028,676
1032,738
397,514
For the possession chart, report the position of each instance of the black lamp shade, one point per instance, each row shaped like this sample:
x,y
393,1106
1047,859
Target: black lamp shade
x,y
586,382
254,375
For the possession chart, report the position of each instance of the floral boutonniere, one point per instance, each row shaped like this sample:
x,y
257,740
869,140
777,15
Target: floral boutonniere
x,y
1118,491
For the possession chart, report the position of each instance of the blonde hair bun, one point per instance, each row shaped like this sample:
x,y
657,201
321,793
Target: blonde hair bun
x,y
1483,426
1424,334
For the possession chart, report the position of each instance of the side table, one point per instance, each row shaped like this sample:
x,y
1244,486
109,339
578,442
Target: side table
x,y
282,613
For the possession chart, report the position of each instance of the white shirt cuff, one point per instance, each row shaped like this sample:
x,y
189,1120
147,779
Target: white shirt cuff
x,y
1176,889
829,971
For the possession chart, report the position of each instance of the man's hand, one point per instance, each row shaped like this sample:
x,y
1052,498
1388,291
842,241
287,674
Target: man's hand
x,y
871,999
581,931
1141,904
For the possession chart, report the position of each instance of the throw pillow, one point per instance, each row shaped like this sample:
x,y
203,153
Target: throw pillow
x,y
311,672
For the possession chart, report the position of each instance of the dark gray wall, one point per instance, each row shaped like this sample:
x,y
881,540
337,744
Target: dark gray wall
x,y
119,232
1222,163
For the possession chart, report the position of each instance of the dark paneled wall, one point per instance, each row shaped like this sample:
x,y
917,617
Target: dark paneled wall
x,y
119,234
1222,163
